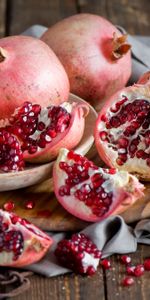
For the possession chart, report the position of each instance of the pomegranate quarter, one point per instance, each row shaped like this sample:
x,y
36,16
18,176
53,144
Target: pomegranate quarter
x,y
21,243
122,133
91,193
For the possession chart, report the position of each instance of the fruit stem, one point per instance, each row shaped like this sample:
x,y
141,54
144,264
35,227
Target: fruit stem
x,y
120,46
2,55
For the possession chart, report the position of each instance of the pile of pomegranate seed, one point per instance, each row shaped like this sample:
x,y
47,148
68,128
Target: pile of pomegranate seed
x,y
126,130
78,254
94,194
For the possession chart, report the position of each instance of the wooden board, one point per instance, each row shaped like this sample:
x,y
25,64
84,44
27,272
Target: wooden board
x,y
48,213
2,17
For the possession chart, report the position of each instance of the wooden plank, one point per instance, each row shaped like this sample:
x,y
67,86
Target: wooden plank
x,y
66,287
140,290
27,13
2,17
132,15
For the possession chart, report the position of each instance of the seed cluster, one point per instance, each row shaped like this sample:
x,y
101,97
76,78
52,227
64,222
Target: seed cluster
x,y
11,157
132,135
37,129
93,194
10,240
71,254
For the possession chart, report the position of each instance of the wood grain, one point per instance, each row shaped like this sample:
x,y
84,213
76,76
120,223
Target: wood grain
x,y
2,17
27,13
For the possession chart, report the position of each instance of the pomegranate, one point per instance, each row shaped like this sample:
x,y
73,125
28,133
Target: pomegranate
x,y
40,133
29,71
78,254
21,243
94,54
91,193
122,133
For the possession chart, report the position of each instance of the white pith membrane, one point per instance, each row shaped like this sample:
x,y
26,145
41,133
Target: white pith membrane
x,y
88,260
30,236
134,164
123,187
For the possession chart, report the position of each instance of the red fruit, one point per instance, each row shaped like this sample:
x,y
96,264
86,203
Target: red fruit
x,y
94,53
78,254
139,270
147,264
30,71
41,132
125,259
91,193
21,243
127,281
106,264
9,206
122,133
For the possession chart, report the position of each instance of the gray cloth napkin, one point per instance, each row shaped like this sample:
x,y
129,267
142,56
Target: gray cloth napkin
x,y
140,50
111,236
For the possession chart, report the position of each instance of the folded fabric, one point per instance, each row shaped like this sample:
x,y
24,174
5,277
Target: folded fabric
x,y
140,49
111,236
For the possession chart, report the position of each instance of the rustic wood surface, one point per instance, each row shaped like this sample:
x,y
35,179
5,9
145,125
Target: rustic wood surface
x,y
16,16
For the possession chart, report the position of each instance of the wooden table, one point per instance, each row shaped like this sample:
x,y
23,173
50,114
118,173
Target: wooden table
x,y
15,17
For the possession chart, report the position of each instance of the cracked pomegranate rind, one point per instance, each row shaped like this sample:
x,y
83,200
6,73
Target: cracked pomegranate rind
x,y
91,193
122,133
21,243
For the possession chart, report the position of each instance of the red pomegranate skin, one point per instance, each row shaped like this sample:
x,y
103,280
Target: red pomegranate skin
x,y
84,45
30,71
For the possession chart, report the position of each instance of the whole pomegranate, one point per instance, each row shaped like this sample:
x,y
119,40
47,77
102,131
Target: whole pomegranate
x,y
29,71
36,134
21,243
122,132
91,193
94,53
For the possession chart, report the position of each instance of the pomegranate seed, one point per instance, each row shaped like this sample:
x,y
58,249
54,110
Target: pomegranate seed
x,y
125,259
106,264
147,264
139,270
103,135
130,270
127,281
29,204
9,206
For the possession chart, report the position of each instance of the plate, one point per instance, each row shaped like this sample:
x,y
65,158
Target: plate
x,y
34,174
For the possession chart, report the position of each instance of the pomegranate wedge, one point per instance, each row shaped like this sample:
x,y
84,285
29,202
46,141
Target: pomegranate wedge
x,y
91,193
122,133
21,243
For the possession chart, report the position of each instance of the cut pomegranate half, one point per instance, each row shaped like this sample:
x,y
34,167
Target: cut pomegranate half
x,y
21,243
41,133
91,193
122,133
